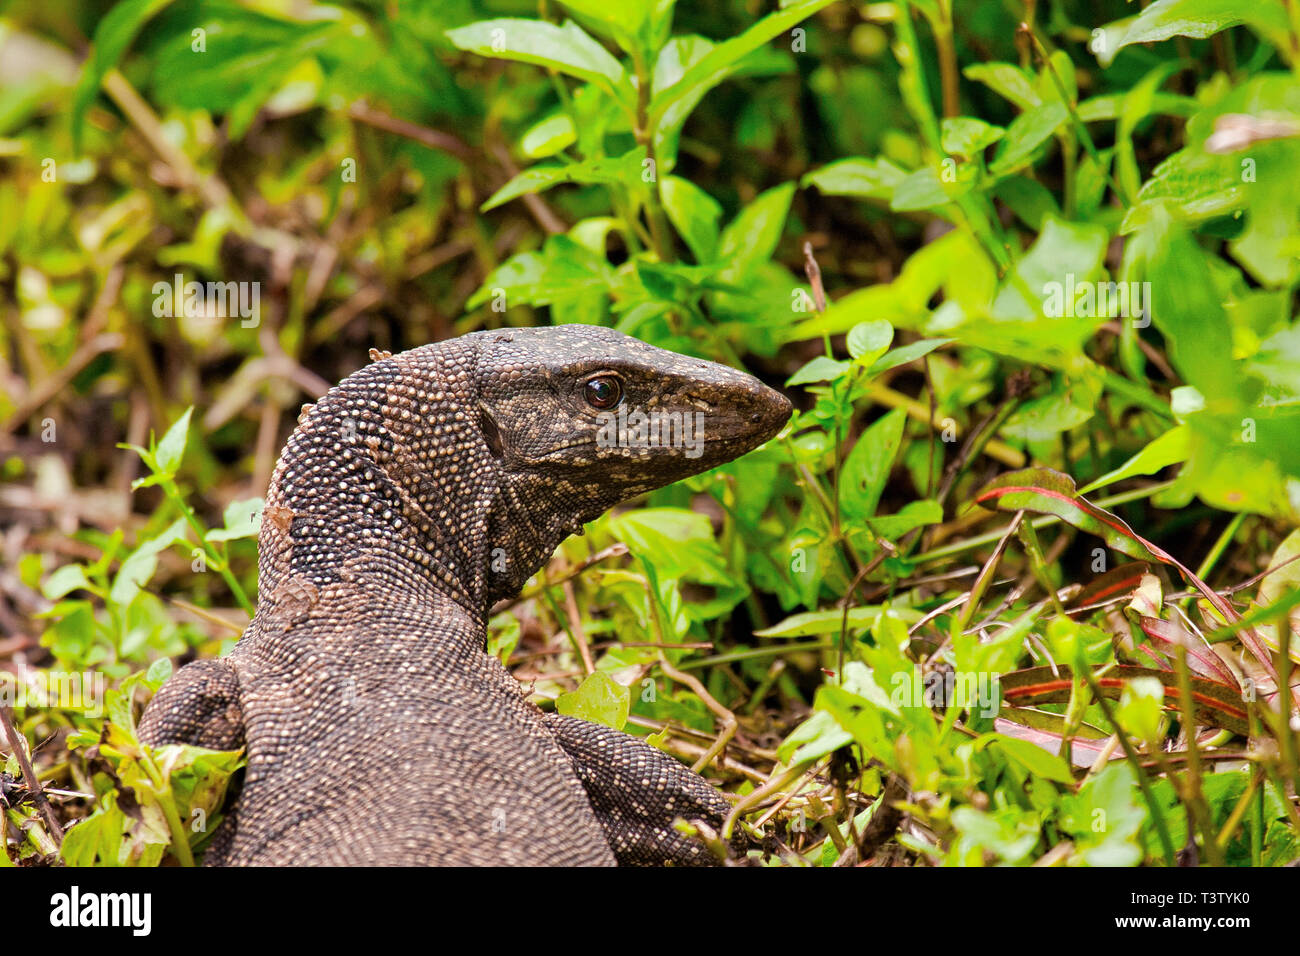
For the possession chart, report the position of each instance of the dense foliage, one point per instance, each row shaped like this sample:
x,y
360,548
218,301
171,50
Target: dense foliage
x,y
1015,585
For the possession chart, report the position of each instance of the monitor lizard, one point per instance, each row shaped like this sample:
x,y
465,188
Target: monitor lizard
x,y
410,498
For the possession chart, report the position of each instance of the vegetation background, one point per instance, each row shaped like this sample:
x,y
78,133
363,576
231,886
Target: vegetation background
x,y
904,214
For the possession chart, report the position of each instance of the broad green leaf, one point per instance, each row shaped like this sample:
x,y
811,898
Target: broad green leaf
x,y
693,213
622,21
1111,799
563,270
670,107
869,178
1026,133
63,580
1139,709
1169,449
868,465
602,170
1198,186
599,699
680,542
1188,311
1199,19
243,520
1066,256
1007,80
548,136
904,303
1007,832
904,354
968,136
1071,401
158,672
1030,200
868,341
566,48
678,55
750,239
809,623
249,55
914,514
171,449
819,369
140,564
929,188
1030,756
816,737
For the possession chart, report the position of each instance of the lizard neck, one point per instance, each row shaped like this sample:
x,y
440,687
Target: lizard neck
x,y
388,483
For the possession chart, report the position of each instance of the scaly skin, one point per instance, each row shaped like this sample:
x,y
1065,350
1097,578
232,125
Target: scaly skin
x,y
414,495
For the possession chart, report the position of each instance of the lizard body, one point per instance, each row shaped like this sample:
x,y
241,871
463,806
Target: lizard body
x,y
414,495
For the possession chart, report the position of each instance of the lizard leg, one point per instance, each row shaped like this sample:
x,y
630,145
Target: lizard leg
x,y
637,791
199,706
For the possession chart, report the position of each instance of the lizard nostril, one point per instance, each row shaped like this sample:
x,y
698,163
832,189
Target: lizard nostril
x,y
756,417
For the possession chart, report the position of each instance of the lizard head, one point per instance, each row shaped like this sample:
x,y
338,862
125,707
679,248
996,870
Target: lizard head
x,y
579,418
472,459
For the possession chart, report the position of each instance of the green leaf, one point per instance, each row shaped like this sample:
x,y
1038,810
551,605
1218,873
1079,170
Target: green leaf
x,y
750,239
140,564
809,623
867,468
249,55
622,21
112,36
1044,491
158,672
1105,818
677,56
1197,185
171,449
1031,201
243,520
904,354
670,107
567,48
548,137
867,341
1169,449
968,136
816,737
1007,80
819,369
694,214
600,171
869,178
914,514
600,699
1188,311
1026,133
679,541
1030,756
65,579
1199,19
927,187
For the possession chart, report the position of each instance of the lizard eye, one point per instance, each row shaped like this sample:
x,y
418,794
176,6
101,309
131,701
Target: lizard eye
x,y
603,391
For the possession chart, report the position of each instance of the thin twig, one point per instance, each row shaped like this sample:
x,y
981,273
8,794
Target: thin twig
x,y
29,775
